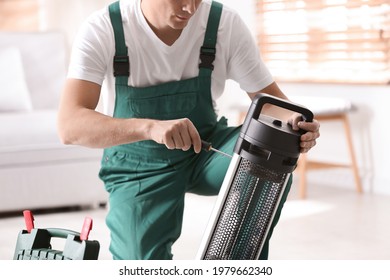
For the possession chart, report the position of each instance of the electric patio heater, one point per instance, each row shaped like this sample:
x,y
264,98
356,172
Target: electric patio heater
x,y
265,155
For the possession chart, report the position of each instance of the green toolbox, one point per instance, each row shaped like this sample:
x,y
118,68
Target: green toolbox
x,y
35,244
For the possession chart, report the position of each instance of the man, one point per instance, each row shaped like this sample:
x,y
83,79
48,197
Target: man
x,y
164,63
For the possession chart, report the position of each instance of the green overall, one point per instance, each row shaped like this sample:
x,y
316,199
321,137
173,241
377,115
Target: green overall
x,y
146,181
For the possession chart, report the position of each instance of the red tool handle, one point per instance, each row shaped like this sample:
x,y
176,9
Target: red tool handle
x,y
87,227
29,220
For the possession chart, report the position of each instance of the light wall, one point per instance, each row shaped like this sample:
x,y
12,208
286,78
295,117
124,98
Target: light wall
x,y
67,15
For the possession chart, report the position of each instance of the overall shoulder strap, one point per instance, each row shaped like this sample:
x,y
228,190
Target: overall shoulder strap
x,y
208,51
121,58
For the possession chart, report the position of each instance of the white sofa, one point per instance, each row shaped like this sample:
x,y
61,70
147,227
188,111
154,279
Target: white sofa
x,y
36,170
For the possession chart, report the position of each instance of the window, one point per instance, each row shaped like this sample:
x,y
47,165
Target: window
x,y
326,40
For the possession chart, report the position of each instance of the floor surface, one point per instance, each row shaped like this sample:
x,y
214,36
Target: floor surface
x,y
331,224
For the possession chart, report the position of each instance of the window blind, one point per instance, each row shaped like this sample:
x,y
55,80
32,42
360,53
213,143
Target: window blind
x,y
326,40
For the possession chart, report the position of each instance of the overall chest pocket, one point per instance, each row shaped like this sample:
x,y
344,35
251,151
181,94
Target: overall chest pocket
x,y
165,106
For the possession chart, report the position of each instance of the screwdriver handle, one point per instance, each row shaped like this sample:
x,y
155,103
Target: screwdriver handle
x,y
206,146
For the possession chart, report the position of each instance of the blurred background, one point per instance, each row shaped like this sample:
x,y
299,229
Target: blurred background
x,y
332,56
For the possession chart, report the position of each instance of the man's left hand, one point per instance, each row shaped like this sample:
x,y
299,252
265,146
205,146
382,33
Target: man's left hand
x,y
308,139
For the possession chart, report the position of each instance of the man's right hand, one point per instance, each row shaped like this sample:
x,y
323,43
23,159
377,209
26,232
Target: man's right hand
x,y
176,134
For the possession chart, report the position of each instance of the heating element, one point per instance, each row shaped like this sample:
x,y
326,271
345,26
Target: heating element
x,y
265,154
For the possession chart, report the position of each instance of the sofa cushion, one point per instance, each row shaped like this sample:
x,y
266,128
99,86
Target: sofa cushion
x,y
44,58
14,94
31,138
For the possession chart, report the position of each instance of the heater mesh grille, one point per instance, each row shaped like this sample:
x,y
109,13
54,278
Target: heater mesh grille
x,y
246,213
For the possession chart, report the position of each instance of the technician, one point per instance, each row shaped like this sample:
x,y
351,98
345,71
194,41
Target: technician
x,y
158,66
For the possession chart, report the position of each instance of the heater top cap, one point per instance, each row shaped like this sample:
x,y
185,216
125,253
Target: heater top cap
x,y
267,140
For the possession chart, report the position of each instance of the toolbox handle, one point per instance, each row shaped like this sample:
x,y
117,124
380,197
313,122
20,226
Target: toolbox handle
x,y
61,233
57,232
262,98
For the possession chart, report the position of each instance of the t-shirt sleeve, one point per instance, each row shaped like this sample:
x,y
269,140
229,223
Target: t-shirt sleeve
x,y
91,50
245,65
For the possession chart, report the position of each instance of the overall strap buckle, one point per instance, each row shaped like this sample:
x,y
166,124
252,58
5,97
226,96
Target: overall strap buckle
x,y
207,57
121,65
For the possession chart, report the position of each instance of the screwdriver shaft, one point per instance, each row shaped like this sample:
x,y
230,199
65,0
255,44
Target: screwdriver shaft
x,y
207,147
220,152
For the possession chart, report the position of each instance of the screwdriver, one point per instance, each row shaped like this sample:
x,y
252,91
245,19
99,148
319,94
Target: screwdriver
x,y
208,147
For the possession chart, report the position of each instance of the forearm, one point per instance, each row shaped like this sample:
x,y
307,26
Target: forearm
x,y
79,124
92,129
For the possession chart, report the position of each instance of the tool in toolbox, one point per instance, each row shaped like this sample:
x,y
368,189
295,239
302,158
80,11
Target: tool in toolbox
x,y
34,243
265,154
208,147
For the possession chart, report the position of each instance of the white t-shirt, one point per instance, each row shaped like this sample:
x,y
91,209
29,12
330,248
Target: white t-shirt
x,y
153,62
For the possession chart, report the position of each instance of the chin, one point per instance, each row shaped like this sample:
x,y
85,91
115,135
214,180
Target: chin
x,y
179,26
177,23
